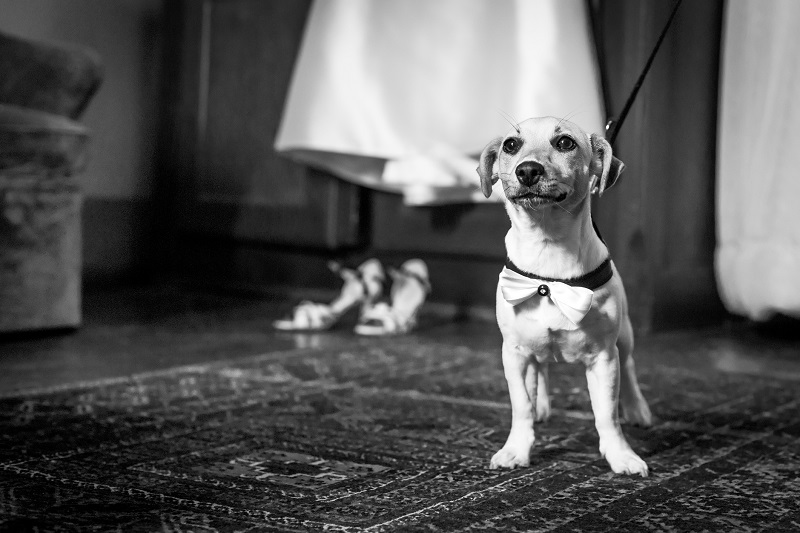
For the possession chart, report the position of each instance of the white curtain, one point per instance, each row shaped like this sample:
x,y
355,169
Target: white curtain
x,y
402,95
758,166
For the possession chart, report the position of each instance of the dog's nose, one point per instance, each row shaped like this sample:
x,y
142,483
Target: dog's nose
x,y
529,172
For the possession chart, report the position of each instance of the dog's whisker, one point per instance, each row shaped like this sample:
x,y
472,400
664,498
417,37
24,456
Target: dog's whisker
x,y
510,120
564,208
565,118
569,116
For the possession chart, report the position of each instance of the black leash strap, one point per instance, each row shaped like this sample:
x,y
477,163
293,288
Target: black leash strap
x,y
614,124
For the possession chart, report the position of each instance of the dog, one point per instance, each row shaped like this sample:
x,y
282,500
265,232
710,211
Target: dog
x,y
560,297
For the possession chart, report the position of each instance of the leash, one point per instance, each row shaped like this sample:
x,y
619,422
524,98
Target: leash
x,y
615,123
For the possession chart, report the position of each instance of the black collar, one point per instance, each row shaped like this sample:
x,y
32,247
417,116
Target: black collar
x,y
593,280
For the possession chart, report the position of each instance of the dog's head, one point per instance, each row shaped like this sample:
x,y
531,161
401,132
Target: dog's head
x,y
546,162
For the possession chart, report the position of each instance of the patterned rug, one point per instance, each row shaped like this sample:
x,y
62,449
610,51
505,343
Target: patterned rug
x,y
347,434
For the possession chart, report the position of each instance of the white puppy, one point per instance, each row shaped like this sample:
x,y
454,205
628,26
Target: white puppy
x,y
560,298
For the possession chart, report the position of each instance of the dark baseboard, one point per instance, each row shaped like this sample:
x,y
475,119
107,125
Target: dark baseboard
x,y
118,240
462,282
687,298
463,285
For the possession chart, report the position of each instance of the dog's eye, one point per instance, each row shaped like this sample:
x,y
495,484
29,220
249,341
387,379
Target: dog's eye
x,y
511,146
565,144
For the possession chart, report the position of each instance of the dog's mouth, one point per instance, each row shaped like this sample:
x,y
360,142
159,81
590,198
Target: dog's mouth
x,y
536,199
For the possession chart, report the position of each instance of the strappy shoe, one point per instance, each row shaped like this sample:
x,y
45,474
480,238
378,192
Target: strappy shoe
x,y
410,288
362,287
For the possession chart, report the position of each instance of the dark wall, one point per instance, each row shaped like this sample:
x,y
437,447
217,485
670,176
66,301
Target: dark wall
x,y
119,181
659,219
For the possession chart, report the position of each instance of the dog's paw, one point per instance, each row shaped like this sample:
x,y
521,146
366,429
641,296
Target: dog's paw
x,y
516,451
623,460
510,457
636,412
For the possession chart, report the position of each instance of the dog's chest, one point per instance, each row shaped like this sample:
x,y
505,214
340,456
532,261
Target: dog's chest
x,y
538,325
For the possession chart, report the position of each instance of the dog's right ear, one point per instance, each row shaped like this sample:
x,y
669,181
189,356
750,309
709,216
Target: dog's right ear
x,y
486,166
607,167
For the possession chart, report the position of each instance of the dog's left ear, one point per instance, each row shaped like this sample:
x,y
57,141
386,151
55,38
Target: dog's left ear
x,y
606,167
486,166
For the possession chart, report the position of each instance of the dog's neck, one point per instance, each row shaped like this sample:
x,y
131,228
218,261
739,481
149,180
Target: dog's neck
x,y
554,243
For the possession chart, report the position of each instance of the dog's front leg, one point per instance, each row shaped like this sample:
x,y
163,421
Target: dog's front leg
x,y
602,378
522,374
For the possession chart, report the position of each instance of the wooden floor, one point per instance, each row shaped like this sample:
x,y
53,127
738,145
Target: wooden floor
x,y
132,330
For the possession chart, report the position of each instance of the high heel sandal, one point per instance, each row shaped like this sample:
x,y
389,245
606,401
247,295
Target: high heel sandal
x,y
362,287
410,288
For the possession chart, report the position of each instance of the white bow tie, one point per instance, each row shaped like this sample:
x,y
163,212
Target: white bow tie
x,y
573,302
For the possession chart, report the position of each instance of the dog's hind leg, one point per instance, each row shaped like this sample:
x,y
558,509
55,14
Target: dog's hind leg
x,y
633,406
543,394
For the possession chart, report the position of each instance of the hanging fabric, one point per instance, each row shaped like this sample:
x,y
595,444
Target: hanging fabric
x,y
403,95
758,183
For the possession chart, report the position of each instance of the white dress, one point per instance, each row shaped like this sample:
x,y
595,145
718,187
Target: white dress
x,y
403,95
